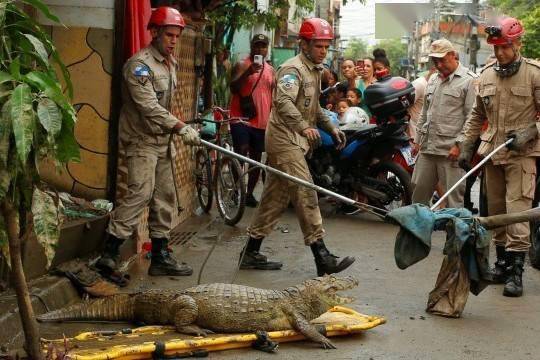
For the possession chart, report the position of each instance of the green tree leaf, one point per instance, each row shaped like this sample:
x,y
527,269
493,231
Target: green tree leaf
x,y
67,147
15,69
5,133
45,83
356,49
22,117
49,116
39,47
3,5
38,4
5,77
48,85
46,223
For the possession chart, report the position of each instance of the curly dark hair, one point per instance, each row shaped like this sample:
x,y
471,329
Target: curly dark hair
x,y
380,57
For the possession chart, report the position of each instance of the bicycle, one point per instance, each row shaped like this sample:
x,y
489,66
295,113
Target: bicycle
x,y
220,174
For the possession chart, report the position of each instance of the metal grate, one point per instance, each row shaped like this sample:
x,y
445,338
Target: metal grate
x,y
181,238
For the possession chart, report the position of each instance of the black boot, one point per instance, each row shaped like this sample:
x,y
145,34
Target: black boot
x,y
108,261
253,259
163,263
499,270
514,286
326,262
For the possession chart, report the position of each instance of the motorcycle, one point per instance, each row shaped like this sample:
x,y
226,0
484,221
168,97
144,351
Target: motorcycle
x,y
364,169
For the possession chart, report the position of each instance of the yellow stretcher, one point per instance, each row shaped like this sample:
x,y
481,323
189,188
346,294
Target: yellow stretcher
x,y
140,343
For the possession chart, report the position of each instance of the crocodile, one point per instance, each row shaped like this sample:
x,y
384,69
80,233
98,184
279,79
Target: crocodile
x,y
217,307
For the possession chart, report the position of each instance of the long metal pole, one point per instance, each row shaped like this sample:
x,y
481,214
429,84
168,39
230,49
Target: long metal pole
x,y
478,166
302,182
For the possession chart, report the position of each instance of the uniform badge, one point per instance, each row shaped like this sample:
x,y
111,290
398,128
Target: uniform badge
x,y
142,72
288,81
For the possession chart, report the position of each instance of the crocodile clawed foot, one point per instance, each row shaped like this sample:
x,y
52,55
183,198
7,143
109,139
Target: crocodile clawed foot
x,y
327,344
193,330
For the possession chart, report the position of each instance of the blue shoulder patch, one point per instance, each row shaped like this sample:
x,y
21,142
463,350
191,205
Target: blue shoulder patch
x,y
288,80
141,70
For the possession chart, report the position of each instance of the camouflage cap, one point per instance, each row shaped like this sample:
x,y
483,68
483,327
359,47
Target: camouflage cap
x,y
440,48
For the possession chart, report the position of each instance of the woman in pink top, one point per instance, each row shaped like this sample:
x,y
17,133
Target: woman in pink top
x,y
249,77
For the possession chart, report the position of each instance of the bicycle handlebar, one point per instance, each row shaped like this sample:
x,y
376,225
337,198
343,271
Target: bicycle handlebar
x,y
236,119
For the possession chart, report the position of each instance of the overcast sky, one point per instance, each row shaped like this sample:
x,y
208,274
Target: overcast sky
x,y
358,20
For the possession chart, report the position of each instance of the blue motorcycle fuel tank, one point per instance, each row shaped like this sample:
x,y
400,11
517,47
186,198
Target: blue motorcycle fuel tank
x,y
328,142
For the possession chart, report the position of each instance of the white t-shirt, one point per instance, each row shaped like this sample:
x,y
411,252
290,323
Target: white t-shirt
x,y
415,111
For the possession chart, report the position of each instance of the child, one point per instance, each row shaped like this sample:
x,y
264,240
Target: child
x,y
354,97
341,107
328,98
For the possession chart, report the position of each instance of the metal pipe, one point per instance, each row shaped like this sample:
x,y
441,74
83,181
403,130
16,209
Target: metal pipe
x,y
294,179
479,165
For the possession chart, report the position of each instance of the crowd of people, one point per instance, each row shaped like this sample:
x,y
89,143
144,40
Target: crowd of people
x,y
286,108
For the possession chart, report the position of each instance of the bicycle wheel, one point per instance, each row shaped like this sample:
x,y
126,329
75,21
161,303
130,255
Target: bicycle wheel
x,y
230,190
203,179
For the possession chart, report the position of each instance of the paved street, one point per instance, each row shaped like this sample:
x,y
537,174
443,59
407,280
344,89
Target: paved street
x,y
492,326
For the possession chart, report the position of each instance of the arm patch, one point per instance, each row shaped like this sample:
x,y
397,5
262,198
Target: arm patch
x,y
288,80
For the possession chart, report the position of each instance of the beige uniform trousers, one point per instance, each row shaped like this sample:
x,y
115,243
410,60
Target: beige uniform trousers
x,y
510,188
278,192
150,183
431,169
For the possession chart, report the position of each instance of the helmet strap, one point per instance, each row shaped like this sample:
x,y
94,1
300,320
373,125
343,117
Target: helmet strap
x,y
307,54
508,69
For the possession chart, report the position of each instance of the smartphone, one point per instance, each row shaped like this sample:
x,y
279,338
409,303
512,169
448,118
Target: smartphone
x,y
258,59
360,63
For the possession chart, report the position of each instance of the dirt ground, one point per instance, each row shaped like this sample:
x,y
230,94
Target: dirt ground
x,y
492,326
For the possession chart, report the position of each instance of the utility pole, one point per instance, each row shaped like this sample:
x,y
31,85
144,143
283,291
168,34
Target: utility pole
x,y
474,44
436,34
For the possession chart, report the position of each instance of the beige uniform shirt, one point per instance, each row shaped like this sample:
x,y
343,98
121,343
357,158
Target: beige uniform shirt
x,y
447,104
415,111
508,103
295,106
146,122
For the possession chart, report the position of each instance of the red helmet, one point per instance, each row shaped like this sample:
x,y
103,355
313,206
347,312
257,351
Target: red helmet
x,y
316,29
166,16
505,31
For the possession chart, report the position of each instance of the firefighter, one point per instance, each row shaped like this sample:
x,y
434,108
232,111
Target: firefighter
x,y
291,134
509,97
145,126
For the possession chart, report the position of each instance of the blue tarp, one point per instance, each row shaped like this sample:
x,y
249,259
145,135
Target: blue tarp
x,y
464,237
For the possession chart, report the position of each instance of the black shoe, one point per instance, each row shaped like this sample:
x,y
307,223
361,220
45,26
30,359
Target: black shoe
x,y
256,260
163,263
514,285
326,262
108,262
251,201
499,270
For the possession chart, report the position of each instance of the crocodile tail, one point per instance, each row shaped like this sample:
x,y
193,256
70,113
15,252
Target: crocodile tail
x,y
112,308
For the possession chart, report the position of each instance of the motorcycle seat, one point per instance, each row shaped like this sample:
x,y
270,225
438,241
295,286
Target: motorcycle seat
x,y
359,130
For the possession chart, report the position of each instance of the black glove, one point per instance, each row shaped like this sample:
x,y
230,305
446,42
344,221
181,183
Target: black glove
x,y
522,137
466,152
